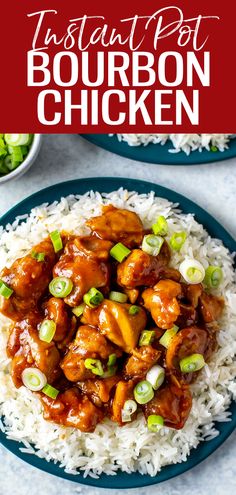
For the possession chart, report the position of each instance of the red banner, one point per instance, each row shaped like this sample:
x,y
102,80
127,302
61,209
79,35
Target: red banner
x,y
152,66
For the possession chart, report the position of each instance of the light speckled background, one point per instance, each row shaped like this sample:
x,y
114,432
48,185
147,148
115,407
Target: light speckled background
x,y
65,157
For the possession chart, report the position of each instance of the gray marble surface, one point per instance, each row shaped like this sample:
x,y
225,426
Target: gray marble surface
x,y
65,157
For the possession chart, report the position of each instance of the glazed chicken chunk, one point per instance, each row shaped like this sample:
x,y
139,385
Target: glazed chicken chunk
x,y
162,302
118,225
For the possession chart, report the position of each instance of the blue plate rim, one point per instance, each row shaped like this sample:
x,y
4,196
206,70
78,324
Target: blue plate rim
x,y
145,154
204,449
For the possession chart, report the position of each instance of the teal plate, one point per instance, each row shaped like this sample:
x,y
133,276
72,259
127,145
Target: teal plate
x,y
158,154
80,186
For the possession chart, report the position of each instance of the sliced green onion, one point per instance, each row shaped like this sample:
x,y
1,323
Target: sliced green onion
x,y
50,391
93,298
5,290
111,360
160,227
143,392
177,240
192,271
33,379
17,139
119,297
119,252
152,244
167,337
78,311
192,363
214,149
47,330
156,376
147,337
155,423
56,240
111,371
3,167
130,407
38,256
134,310
94,365
60,287
213,277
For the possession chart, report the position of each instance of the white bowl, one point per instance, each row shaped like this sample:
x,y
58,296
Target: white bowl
x,y
27,163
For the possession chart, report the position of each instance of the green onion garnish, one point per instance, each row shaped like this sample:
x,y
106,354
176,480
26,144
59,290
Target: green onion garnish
x,y
60,287
111,371
192,271
78,311
50,391
147,337
156,376
214,149
160,227
155,423
95,366
192,363
167,337
47,330
130,407
118,297
152,244
143,392
56,240
213,277
5,291
33,379
17,139
38,256
111,360
134,310
177,240
119,252
93,298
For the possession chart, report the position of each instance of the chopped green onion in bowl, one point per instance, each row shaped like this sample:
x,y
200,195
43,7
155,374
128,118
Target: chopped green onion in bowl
x,y
213,277
152,244
14,149
192,271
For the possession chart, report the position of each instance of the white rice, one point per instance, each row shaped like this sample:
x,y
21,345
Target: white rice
x,y
110,447
181,142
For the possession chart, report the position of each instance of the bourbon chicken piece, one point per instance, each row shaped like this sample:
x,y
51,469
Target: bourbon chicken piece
x,y
211,307
142,269
118,225
142,359
85,262
88,343
188,341
27,350
115,322
124,392
56,310
172,403
72,409
99,391
29,280
162,302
